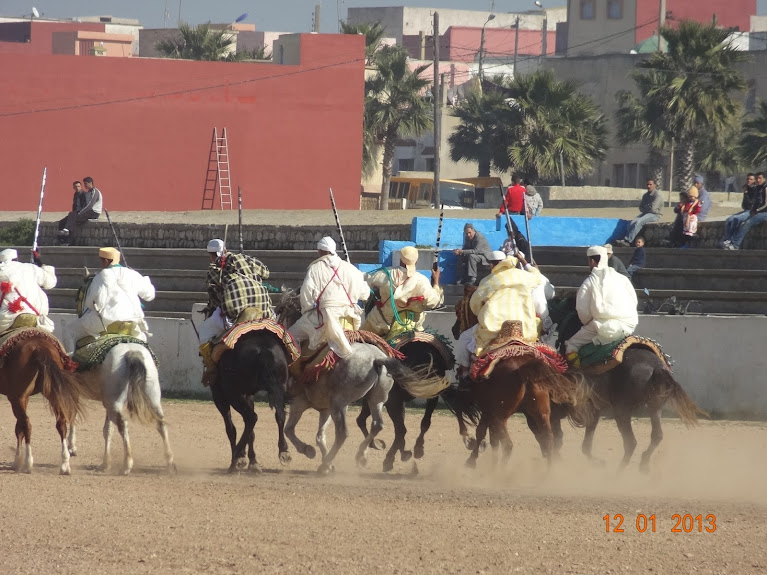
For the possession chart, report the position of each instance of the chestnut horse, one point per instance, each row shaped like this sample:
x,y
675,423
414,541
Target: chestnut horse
x,y
35,362
525,384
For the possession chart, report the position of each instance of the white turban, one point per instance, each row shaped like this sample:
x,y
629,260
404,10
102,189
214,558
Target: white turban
x,y
497,256
327,244
8,255
409,256
601,252
216,247
609,248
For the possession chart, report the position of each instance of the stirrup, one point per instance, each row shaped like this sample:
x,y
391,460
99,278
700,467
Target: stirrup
x,y
573,359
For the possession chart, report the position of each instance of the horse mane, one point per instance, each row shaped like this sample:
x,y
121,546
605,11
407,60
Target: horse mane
x,y
288,309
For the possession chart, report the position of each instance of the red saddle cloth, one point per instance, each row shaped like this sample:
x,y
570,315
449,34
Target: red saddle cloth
x,y
12,338
230,338
483,366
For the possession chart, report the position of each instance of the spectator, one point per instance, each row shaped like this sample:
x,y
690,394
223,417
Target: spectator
x,y
639,258
615,262
515,198
533,201
703,198
686,222
475,252
757,214
733,223
650,210
521,242
90,211
78,203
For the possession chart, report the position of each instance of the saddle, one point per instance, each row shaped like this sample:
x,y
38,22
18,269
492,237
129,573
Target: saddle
x,y
93,353
509,343
11,338
125,328
21,321
438,342
596,359
230,338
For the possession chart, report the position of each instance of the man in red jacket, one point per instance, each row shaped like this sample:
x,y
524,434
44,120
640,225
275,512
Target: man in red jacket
x,y
515,198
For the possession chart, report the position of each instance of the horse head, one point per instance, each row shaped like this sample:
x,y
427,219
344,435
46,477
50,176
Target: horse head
x,y
465,318
288,310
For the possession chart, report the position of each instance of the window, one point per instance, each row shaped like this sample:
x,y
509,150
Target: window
x,y
618,172
587,9
406,165
615,9
429,164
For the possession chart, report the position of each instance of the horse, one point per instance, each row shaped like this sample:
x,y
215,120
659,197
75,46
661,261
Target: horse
x,y
258,362
367,374
127,383
418,355
33,361
641,379
524,383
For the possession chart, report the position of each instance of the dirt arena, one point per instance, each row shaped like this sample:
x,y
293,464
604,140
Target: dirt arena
x,y
522,518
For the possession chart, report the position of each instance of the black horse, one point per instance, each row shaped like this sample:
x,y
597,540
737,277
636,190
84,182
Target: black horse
x,y
258,362
418,356
641,380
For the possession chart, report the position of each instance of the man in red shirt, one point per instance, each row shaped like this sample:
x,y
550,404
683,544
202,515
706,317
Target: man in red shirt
x,y
515,198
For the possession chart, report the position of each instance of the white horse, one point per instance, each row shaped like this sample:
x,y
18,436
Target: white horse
x,y
127,383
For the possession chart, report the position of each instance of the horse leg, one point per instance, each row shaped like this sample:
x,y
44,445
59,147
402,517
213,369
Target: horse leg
x,y
107,462
588,438
556,428
297,407
396,411
623,420
122,426
362,419
376,425
282,445
24,461
222,404
505,439
655,438
338,413
61,427
245,408
321,437
481,431
162,429
431,405
541,415
72,440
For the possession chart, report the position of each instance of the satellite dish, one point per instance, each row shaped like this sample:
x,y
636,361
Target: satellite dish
x,y
241,17
35,13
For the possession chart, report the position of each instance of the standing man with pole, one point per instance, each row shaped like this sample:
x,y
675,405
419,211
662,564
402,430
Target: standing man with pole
x,y
437,115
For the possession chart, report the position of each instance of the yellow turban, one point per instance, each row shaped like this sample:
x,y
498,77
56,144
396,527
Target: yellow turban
x,y
110,254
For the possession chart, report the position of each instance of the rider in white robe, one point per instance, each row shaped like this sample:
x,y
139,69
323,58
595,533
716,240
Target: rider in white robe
x,y
22,291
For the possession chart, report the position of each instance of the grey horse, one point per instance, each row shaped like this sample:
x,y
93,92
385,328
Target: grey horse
x,y
368,374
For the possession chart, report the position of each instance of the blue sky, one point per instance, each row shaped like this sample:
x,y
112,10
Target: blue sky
x,y
277,15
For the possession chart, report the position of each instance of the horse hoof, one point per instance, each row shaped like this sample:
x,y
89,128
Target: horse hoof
x,y
285,458
388,465
324,469
241,463
471,463
103,468
126,471
172,469
418,451
255,468
483,445
362,461
470,443
65,470
378,444
310,452
73,452
644,468
414,472
406,455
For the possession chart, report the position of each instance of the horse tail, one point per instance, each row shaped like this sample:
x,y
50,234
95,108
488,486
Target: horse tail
x,y
421,383
685,407
63,389
585,399
138,402
268,376
461,404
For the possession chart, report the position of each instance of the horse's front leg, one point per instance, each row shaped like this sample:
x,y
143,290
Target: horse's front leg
x,y
339,418
244,406
298,405
431,405
72,440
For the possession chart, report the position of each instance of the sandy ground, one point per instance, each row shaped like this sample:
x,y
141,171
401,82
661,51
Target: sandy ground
x,y
522,518
325,217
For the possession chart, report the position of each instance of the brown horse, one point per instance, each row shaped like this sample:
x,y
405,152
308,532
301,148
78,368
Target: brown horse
x,y
524,383
33,361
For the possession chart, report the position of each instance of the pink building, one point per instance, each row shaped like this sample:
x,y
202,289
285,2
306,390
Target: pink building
x,y
54,37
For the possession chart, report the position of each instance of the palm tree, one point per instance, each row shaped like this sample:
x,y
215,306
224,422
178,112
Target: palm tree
x,y
200,43
558,124
696,81
485,131
395,106
373,33
753,142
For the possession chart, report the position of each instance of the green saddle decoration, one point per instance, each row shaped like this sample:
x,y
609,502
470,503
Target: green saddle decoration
x,y
93,354
591,354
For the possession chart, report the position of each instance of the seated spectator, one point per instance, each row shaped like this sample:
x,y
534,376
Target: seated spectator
x,y
615,262
650,210
703,198
533,201
751,189
757,215
515,241
639,258
475,252
515,198
89,205
686,223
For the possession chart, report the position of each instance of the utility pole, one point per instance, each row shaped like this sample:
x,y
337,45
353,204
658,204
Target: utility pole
x,y
179,13
545,31
437,113
661,23
422,44
671,172
482,49
516,44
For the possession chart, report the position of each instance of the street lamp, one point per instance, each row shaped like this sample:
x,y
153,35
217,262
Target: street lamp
x,y
482,46
516,44
545,27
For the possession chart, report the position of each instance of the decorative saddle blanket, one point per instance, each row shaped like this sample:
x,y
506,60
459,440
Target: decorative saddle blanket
x,y
10,339
230,338
92,355
309,367
440,343
508,343
597,359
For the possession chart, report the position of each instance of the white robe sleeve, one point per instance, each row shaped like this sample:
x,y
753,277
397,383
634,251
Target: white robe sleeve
x,y
308,295
583,302
46,277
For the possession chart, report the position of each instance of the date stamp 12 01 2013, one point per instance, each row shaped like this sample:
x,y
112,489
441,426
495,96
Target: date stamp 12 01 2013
x,y
680,523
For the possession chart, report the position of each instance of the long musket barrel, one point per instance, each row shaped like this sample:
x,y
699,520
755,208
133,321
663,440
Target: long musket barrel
x,y
529,241
239,216
338,225
39,212
117,239
509,227
439,237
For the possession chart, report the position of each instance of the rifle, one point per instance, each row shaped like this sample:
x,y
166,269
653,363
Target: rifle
x,y
529,241
239,216
439,237
117,239
39,213
338,226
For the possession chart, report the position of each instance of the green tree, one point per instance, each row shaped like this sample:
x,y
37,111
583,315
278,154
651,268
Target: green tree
x,y
696,81
373,33
200,43
753,142
485,132
557,121
395,106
